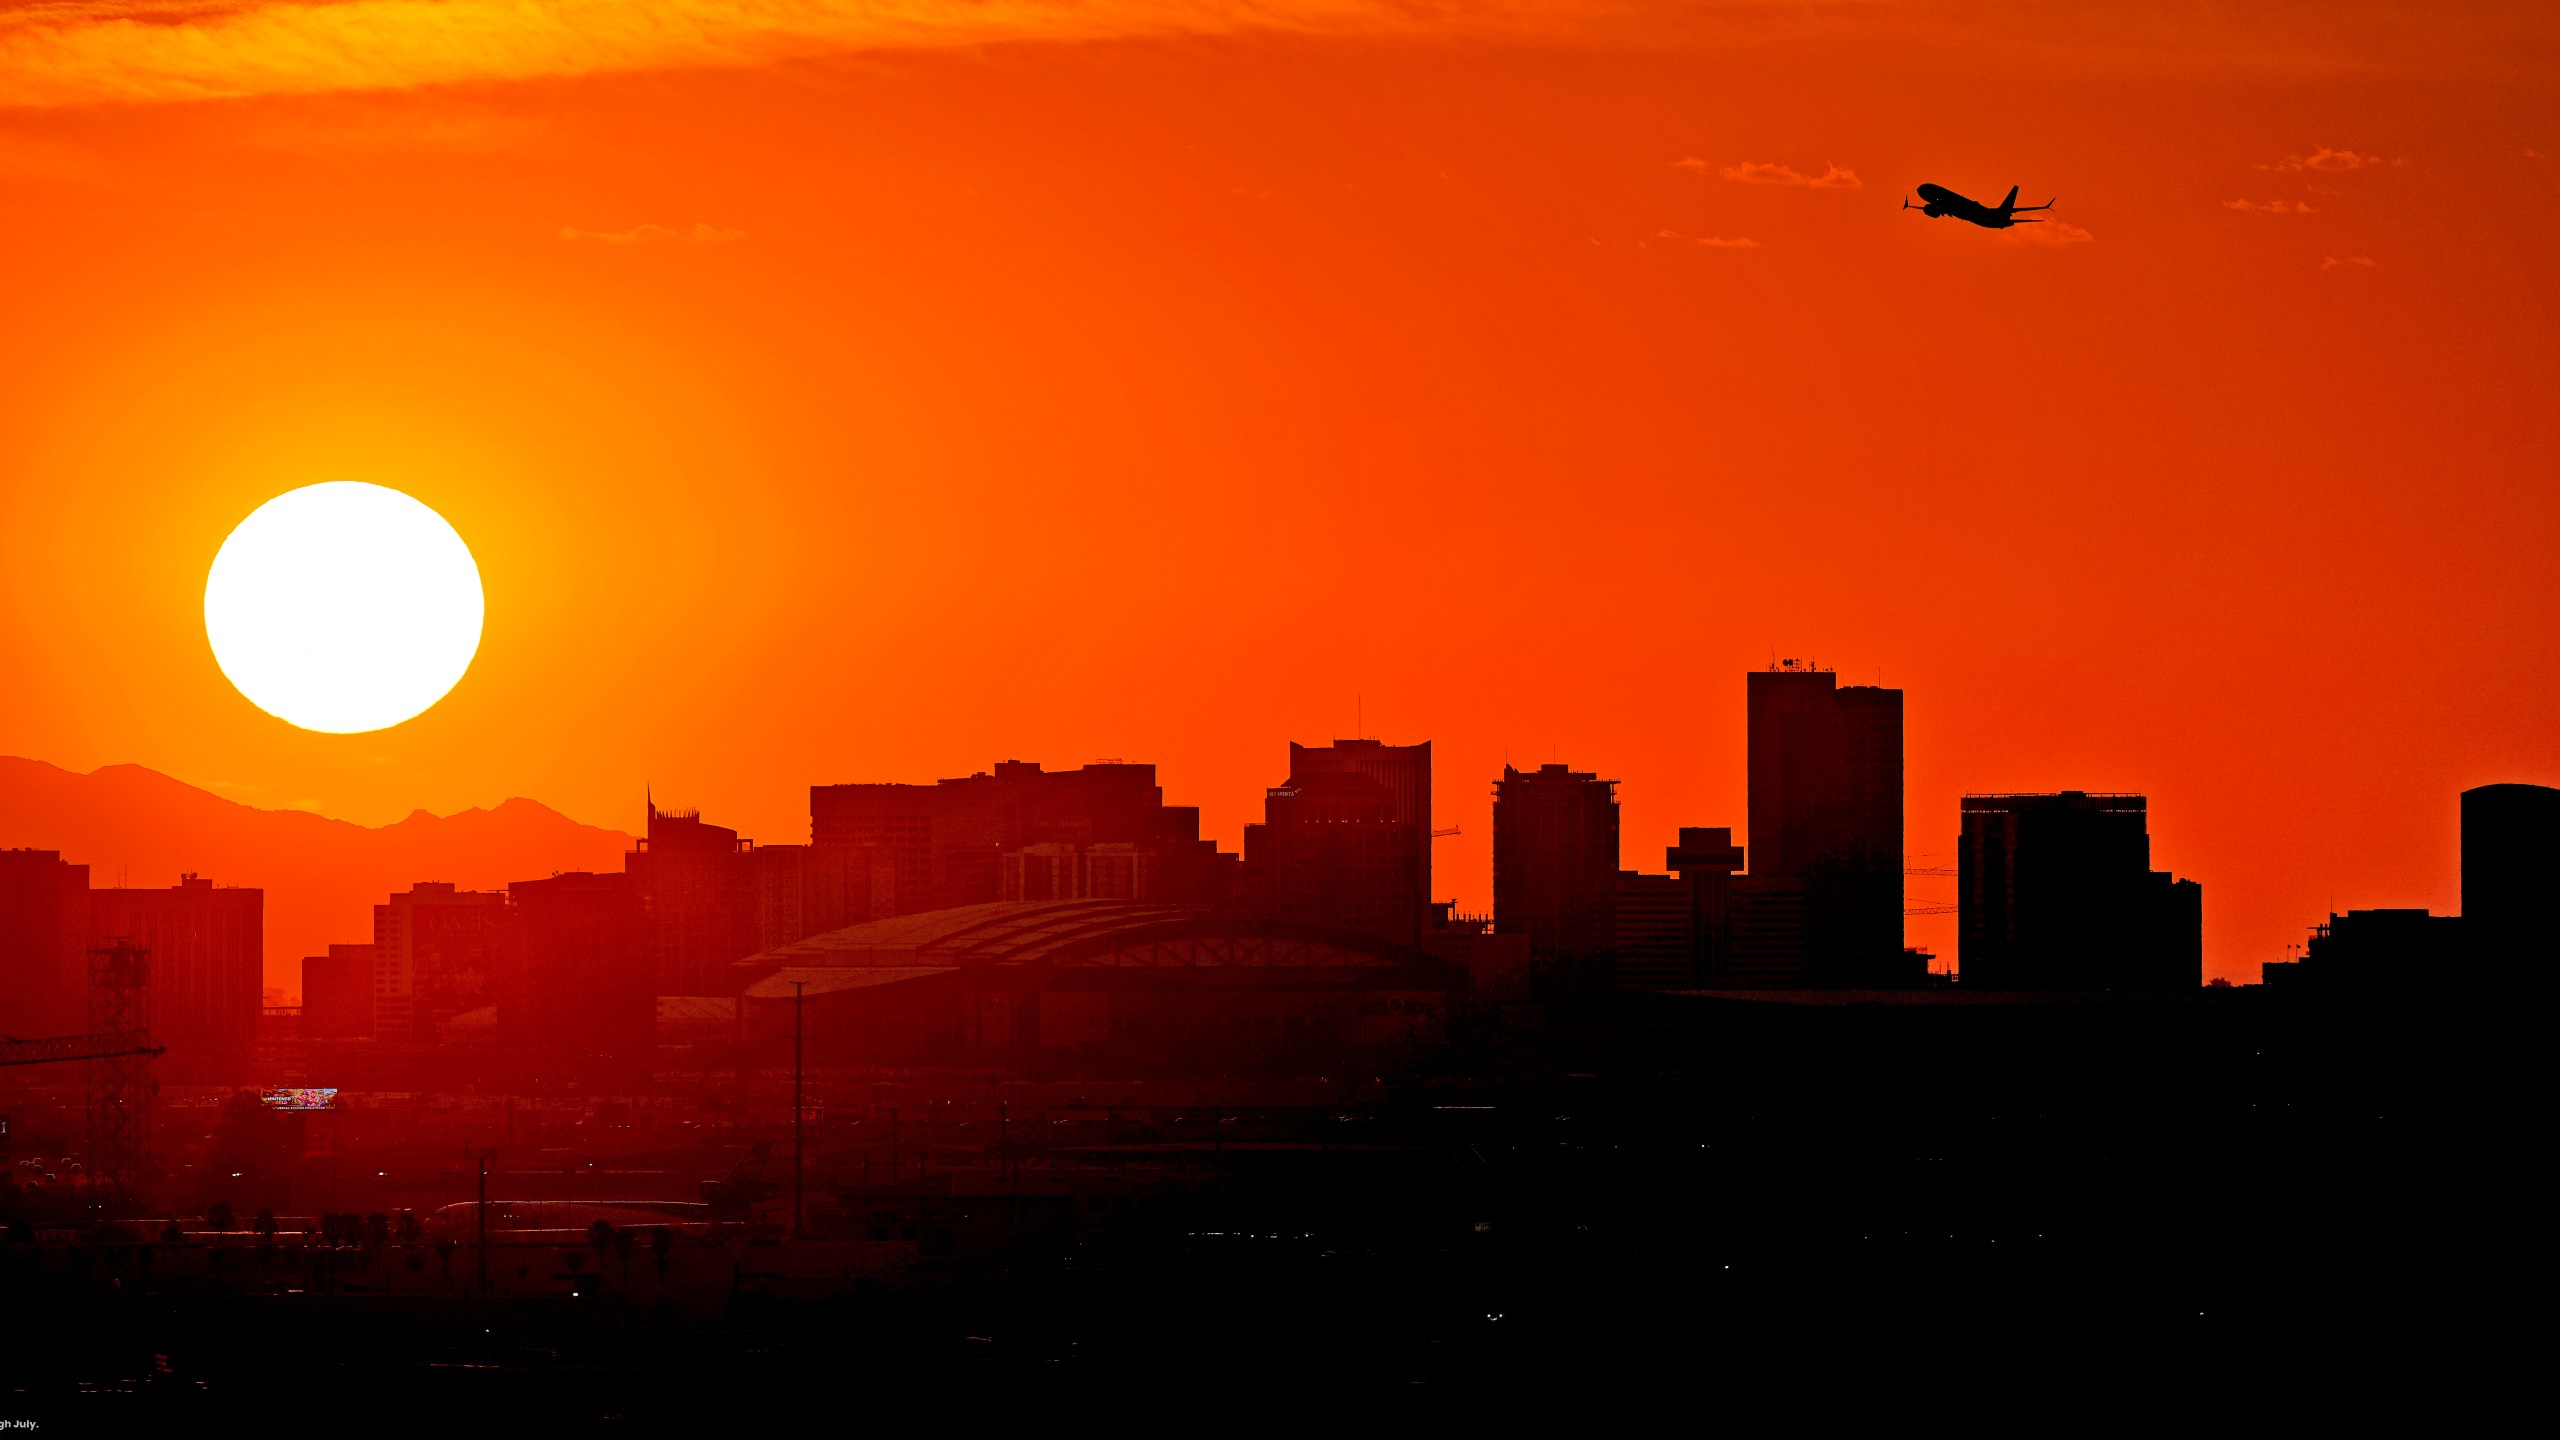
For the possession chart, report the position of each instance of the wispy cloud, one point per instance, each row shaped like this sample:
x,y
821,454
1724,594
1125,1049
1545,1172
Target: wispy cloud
x,y
700,234
2346,262
2330,160
2050,232
1712,242
76,51
2268,207
1753,172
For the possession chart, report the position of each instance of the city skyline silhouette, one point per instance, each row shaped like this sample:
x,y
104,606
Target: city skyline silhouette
x,y
715,710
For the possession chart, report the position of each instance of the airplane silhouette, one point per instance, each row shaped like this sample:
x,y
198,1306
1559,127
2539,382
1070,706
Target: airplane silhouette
x,y
1937,200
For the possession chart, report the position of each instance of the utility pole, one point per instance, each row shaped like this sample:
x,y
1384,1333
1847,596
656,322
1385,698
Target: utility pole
x,y
799,1202
1004,1143
482,1209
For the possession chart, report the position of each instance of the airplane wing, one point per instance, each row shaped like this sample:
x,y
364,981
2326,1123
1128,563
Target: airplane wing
x,y
2045,206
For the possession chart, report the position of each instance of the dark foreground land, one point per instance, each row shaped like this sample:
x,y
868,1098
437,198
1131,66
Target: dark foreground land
x,y
2057,1215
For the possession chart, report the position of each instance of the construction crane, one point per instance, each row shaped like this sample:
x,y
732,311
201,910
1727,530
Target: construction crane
x,y
120,1084
57,1049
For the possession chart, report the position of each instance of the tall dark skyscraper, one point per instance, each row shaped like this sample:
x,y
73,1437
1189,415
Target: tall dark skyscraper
x,y
1822,904
1555,859
1402,772
698,894
2510,878
44,948
2057,892
1347,841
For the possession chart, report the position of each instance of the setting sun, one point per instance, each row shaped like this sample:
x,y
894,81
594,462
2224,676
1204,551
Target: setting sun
x,y
343,607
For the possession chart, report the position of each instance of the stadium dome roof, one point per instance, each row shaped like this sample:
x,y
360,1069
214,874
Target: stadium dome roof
x,y
1061,932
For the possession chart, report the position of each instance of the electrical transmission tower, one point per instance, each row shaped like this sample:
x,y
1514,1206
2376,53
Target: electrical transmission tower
x,y
120,1086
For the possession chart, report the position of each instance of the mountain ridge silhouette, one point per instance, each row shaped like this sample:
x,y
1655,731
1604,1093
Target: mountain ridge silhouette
x,y
134,825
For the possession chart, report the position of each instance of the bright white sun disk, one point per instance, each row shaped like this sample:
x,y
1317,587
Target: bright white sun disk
x,y
343,607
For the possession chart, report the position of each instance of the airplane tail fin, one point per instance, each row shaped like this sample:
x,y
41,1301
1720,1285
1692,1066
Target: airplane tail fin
x,y
2012,202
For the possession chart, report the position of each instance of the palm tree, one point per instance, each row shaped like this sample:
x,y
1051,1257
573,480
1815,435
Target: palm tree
x,y
600,1235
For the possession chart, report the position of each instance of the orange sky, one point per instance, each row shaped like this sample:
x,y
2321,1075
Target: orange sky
x,y
837,391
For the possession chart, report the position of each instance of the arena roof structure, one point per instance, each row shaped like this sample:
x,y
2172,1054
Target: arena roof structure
x,y
1066,933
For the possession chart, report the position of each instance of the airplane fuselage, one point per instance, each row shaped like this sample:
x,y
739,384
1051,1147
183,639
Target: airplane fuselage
x,y
1938,200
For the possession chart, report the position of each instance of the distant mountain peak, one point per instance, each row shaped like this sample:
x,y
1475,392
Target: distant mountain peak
x,y
134,825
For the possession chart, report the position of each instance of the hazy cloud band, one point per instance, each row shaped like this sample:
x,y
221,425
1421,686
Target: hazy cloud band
x,y
70,53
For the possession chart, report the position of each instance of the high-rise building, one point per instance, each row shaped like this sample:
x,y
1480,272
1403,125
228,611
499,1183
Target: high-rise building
x,y
587,968
1767,946
44,944
2374,952
337,994
2510,858
1653,927
1825,809
1403,772
882,850
796,893
207,947
2057,892
1706,860
1555,860
1346,842
1059,871
699,896
709,898
438,952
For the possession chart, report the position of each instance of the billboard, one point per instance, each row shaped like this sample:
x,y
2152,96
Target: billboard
x,y
301,1099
